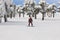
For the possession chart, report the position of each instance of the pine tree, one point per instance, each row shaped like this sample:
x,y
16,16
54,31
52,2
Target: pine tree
x,y
43,9
5,16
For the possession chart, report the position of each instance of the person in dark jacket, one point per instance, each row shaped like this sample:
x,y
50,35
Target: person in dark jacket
x,y
30,21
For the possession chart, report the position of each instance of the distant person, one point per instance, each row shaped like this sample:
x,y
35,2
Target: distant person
x,y
30,21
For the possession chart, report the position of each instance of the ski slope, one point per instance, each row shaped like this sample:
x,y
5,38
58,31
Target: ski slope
x,y
17,29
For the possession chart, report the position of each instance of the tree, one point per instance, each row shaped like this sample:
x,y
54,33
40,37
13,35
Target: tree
x,y
23,13
53,10
19,11
5,15
36,11
33,6
14,10
48,11
11,10
22,10
43,10
1,15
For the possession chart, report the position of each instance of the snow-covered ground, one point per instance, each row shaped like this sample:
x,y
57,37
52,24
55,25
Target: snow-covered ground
x,y
17,29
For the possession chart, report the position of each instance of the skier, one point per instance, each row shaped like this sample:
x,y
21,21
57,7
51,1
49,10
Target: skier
x,y
30,21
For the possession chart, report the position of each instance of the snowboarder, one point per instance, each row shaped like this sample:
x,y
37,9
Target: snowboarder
x,y
30,21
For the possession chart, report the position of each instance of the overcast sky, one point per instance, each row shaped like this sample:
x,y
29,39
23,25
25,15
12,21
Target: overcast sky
x,y
21,2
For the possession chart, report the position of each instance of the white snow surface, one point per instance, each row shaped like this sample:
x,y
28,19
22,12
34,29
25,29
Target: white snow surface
x,y
17,29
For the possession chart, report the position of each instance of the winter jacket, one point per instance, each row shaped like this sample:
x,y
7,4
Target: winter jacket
x,y
30,20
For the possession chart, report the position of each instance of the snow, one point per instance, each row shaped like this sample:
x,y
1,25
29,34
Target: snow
x,y
17,29
58,7
37,6
50,6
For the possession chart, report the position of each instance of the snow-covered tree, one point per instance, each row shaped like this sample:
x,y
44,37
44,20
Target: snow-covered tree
x,y
52,9
58,9
43,11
